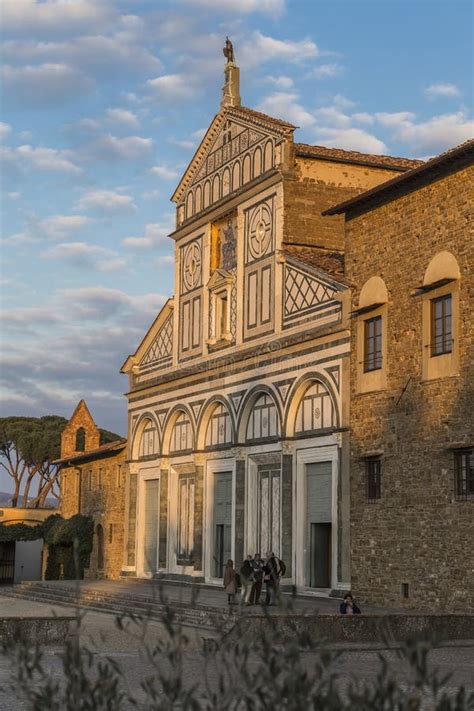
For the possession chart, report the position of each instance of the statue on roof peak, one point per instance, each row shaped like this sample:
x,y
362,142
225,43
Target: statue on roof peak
x,y
228,51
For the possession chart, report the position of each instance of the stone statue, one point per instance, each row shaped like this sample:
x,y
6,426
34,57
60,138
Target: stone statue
x,y
228,51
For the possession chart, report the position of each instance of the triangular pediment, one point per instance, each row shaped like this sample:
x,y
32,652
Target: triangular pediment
x,y
233,130
156,346
220,277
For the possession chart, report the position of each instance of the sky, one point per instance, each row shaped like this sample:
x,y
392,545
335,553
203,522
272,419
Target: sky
x,y
103,105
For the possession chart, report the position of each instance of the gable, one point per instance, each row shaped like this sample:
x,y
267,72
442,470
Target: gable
x,y
156,348
239,146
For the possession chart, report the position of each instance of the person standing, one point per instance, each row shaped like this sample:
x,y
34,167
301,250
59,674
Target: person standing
x,y
246,576
230,582
271,578
257,568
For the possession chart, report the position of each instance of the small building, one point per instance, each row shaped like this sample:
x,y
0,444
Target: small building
x,y
93,484
409,254
22,560
239,392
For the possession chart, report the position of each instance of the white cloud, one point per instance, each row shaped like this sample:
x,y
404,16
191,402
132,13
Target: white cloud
x,y
363,117
126,148
60,226
262,48
442,90
394,119
122,117
59,16
272,7
14,195
285,105
332,116
433,136
84,255
327,71
49,159
172,87
281,82
5,130
350,139
164,172
44,84
106,201
154,233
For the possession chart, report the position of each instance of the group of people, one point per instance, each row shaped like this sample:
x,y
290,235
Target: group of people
x,y
252,575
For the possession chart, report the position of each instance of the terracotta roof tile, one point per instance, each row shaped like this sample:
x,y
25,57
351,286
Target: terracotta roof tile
x,y
260,116
401,182
103,449
330,262
304,149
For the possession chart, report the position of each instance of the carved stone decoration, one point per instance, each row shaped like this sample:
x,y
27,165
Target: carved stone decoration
x,y
229,245
192,266
160,351
260,231
303,292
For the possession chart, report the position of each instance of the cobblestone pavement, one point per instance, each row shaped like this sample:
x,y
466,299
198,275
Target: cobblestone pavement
x,y
101,635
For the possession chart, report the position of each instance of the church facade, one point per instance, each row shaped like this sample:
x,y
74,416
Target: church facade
x,y
238,402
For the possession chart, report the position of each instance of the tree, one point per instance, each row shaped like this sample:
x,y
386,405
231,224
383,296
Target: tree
x,y
28,448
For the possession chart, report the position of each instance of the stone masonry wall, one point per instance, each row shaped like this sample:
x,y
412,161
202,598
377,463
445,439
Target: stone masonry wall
x,y
97,489
417,533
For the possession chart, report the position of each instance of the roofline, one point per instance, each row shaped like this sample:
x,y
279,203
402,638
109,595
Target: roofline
x,y
352,161
94,453
434,165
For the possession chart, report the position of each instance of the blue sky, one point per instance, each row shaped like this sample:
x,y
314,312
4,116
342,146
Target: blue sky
x,y
104,103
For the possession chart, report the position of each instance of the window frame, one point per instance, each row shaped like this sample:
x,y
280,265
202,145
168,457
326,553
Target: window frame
x,y
464,463
373,468
446,343
373,359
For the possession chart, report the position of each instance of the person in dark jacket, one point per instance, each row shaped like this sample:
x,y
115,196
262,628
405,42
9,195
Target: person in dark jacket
x,y
271,578
230,581
247,578
258,567
348,606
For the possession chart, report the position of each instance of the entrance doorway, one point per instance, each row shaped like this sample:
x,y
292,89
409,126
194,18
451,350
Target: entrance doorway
x,y
222,522
150,532
269,510
318,543
7,562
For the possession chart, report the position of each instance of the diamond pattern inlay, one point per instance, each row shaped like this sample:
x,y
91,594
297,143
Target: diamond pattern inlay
x,y
161,348
303,292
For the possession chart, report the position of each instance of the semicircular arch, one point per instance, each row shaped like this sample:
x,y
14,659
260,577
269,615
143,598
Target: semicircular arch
x,y
205,418
443,265
171,420
146,420
298,392
247,407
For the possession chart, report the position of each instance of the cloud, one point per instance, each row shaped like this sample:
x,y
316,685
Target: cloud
x,y
281,82
333,116
44,84
5,130
60,16
126,148
262,48
60,226
106,202
442,90
83,255
154,233
435,135
172,87
285,105
122,117
351,139
40,158
272,7
163,172
327,71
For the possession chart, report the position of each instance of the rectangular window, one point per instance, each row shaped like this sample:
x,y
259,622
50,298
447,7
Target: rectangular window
x,y
464,474
441,333
99,478
186,519
373,343
89,486
373,474
118,475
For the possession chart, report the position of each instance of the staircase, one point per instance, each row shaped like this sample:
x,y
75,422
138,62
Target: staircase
x,y
116,603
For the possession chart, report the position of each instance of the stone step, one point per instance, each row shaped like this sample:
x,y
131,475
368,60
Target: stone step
x,y
188,616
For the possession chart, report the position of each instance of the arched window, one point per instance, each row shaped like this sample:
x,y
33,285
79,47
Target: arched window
x,y
263,421
182,434
148,441
236,176
80,440
372,353
315,411
257,162
268,156
219,428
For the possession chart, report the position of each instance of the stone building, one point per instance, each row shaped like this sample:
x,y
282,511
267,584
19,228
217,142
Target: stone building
x,y
238,394
93,483
409,246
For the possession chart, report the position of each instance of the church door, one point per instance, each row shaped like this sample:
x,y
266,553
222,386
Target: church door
x,y
222,522
150,532
318,533
269,512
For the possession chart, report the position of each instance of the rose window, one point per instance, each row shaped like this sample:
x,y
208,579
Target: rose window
x,y
192,266
260,232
